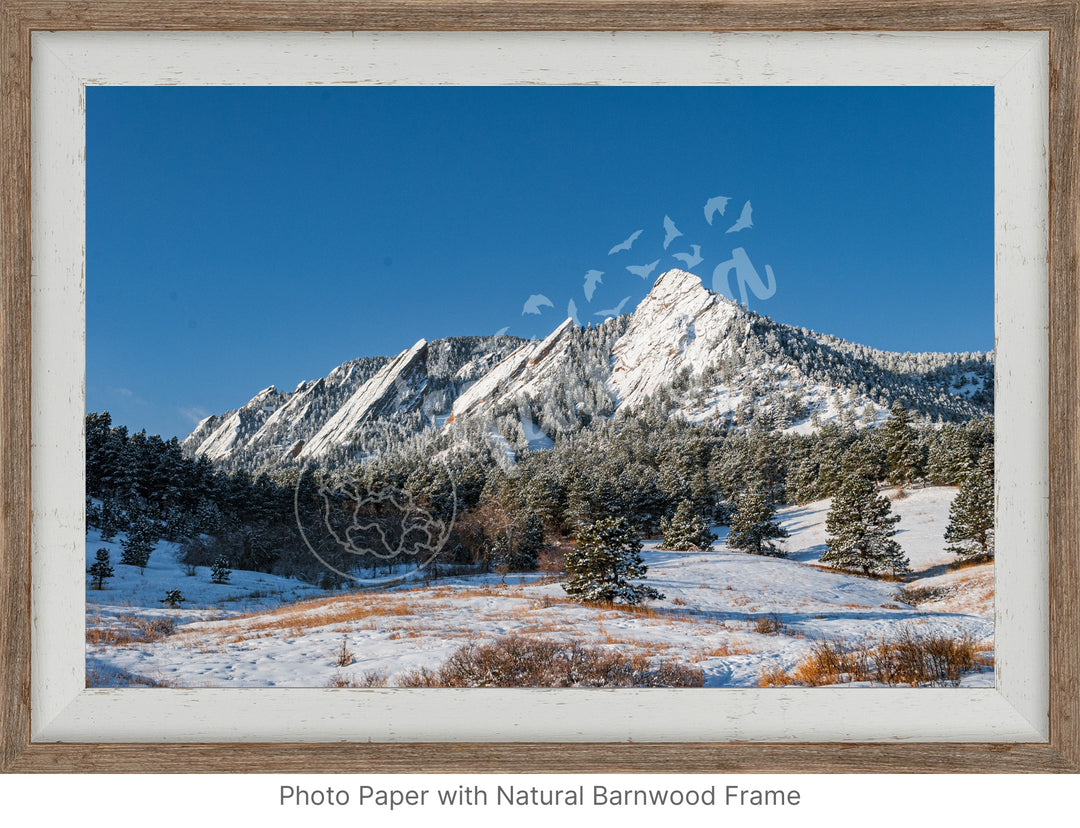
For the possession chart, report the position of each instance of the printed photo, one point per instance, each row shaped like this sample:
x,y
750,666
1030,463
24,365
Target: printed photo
x,y
539,386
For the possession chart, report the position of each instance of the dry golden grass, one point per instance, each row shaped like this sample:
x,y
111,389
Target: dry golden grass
x,y
728,648
297,619
770,624
774,677
130,630
907,659
858,573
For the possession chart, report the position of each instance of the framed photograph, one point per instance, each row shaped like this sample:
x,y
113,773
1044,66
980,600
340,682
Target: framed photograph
x,y
791,484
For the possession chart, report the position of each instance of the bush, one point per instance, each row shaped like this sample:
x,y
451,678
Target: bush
x,y
770,624
514,661
344,656
935,660
372,678
908,659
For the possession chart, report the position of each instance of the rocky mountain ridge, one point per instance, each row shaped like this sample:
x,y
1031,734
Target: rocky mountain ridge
x,y
686,349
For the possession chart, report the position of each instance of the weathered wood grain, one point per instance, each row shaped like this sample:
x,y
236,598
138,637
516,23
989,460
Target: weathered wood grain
x,y
543,758
550,15
14,385
1065,387
18,18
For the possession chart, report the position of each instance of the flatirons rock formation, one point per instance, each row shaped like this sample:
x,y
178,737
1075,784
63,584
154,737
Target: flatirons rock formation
x,y
696,353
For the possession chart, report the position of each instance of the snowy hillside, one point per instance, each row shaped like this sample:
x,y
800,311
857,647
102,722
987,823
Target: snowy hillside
x,y
684,347
738,617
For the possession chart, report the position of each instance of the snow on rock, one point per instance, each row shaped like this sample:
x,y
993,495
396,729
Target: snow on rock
x,y
240,426
678,325
522,372
397,385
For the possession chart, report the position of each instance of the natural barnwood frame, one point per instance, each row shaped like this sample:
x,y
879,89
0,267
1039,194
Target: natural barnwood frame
x,y
1061,18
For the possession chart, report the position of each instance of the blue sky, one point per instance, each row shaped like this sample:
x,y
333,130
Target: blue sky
x,y
243,237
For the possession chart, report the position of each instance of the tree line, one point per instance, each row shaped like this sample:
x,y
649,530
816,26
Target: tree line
x,y
652,470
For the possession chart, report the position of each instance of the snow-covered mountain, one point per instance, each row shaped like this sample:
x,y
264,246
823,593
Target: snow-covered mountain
x,y
680,325
686,349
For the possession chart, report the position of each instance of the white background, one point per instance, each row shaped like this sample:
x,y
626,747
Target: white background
x,y
213,801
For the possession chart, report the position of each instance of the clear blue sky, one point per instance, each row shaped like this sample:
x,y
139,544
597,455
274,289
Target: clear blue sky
x,y
243,237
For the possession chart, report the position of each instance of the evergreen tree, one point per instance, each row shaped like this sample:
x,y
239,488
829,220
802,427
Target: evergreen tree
x,y
530,543
860,529
686,530
100,569
142,535
970,532
754,525
110,519
903,449
220,571
607,556
173,598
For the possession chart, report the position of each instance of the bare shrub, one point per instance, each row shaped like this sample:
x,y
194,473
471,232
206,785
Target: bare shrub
x,y
155,628
131,630
935,660
344,656
923,595
770,624
371,678
515,661
551,562
774,677
830,662
908,659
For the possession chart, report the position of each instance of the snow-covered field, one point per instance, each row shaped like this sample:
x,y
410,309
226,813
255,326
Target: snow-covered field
x,y
265,631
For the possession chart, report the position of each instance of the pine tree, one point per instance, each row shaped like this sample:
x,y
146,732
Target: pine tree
x,y
109,519
530,543
607,556
100,569
860,529
686,530
173,598
754,525
141,537
970,532
220,571
903,449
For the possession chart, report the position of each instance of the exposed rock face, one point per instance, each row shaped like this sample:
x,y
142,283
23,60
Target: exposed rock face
x,y
275,422
524,371
678,325
697,353
397,386
237,428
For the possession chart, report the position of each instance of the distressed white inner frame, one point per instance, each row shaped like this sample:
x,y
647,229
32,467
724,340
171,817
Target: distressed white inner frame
x,y
1014,63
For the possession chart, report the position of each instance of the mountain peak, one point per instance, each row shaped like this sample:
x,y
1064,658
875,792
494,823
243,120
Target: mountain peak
x,y
678,325
675,281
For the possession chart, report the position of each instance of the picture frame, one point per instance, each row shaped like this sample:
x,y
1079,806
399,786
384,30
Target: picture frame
x,y
24,641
